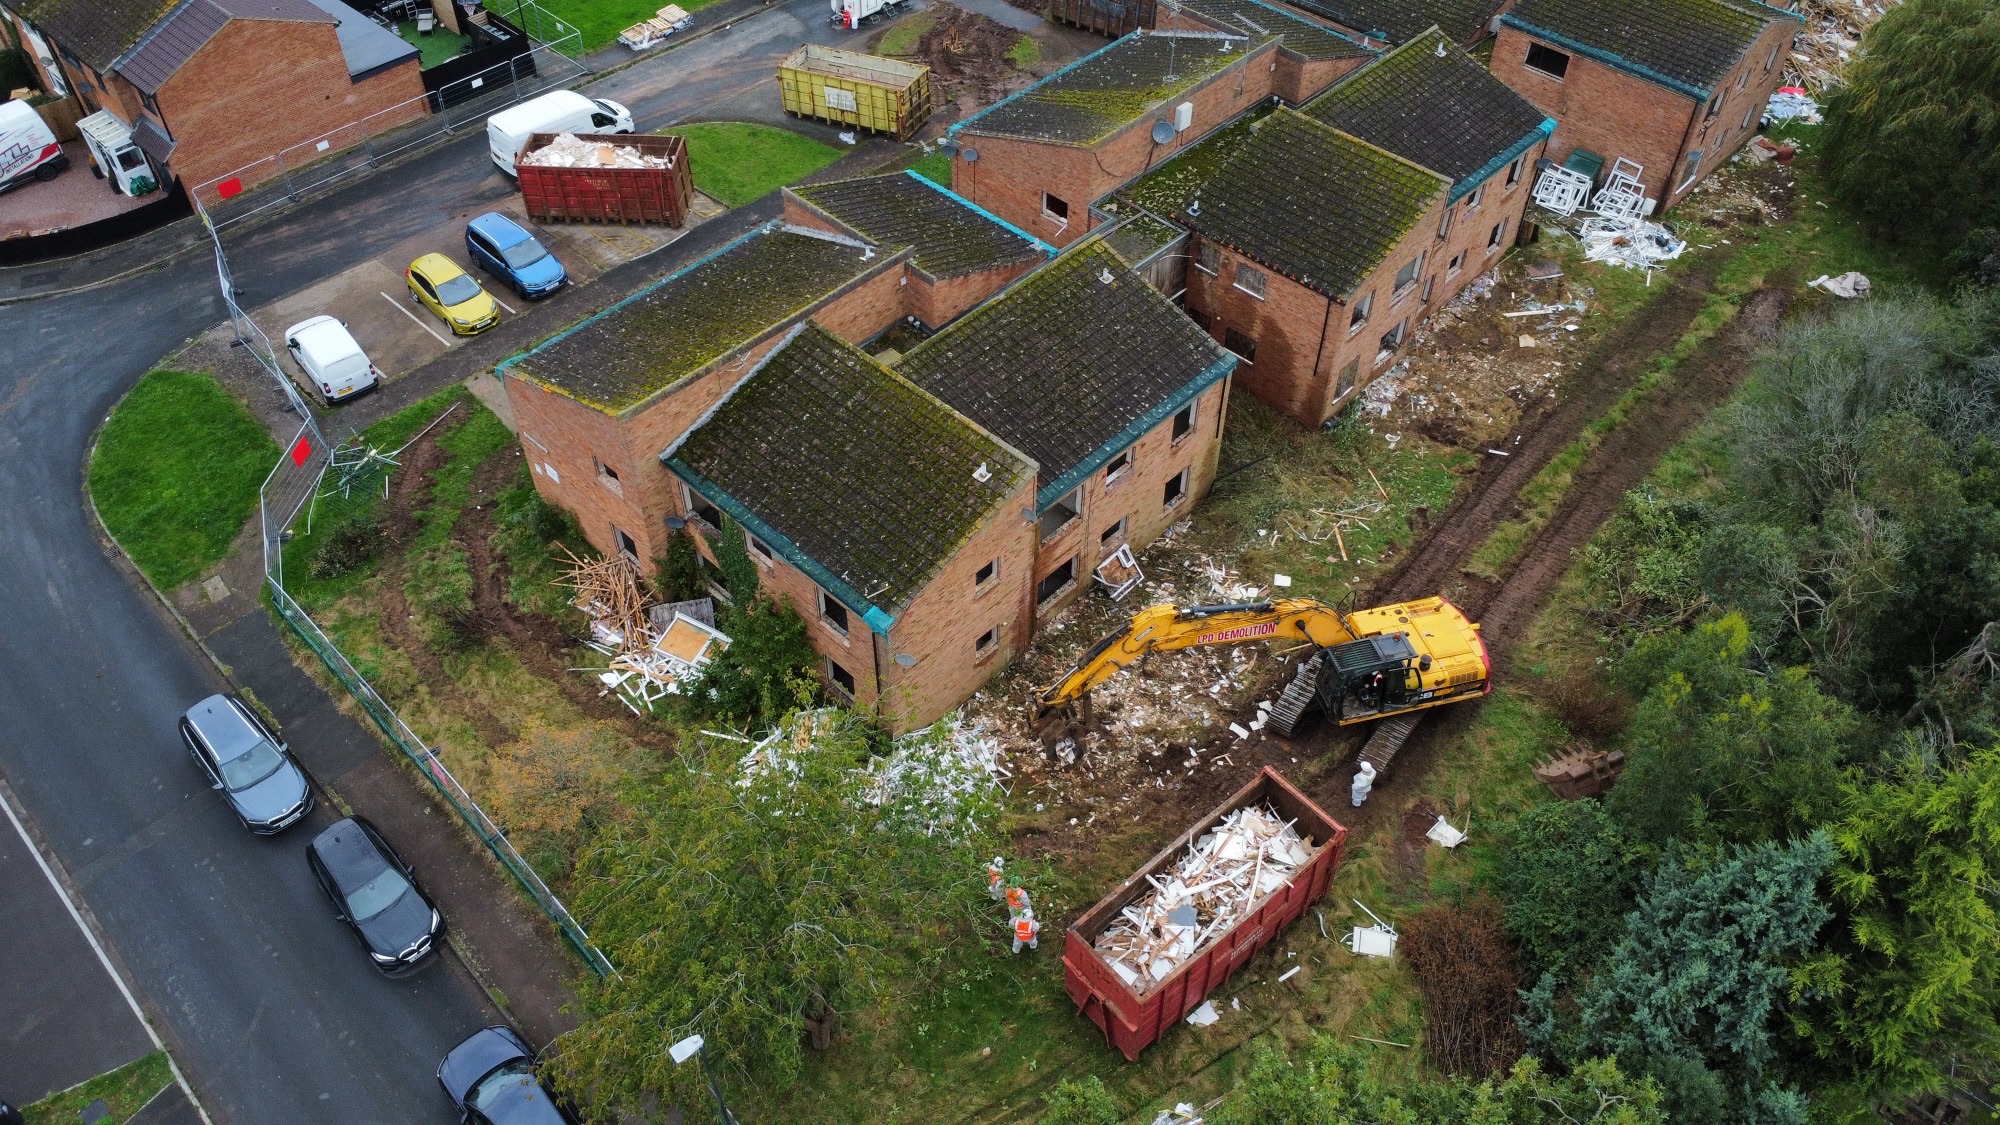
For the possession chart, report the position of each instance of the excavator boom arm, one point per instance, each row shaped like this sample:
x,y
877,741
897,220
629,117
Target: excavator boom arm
x,y
1166,628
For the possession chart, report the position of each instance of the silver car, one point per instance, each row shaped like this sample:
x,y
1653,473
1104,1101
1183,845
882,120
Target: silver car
x,y
247,762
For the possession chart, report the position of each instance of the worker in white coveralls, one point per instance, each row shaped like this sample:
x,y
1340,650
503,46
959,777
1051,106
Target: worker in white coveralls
x,y
996,879
1017,901
1026,930
1364,780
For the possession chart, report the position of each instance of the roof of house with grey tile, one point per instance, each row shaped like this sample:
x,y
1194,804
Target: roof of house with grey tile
x,y
1398,21
949,235
850,471
158,53
1071,364
1300,35
1430,102
1687,45
1313,203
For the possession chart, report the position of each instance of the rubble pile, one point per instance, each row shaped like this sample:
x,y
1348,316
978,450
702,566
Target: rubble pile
x,y
648,658
1252,854
568,150
1634,243
1832,34
934,774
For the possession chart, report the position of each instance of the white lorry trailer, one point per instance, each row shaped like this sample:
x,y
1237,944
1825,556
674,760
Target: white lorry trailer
x,y
28,150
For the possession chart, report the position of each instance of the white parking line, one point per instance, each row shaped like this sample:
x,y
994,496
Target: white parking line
x,y
413,318
505,305
102,959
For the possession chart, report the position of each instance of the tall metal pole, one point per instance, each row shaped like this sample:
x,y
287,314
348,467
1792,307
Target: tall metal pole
x,y
721,1109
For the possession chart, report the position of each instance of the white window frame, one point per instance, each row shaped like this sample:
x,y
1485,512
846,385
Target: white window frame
x,y
1401,289
1363,309
759,550
1262,281
1444,224
826,599
1749,114
1062,220
1073,500
1566,56
1498,239
1514,171
983,648
1456,264
1192,417
1114,472
1477,197
1694,169
834,681
619,537
980,586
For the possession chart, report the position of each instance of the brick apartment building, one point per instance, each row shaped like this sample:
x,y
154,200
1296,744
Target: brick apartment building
x,y
1041,157
1311,56
1673,85
210,86
1309,259
1381,22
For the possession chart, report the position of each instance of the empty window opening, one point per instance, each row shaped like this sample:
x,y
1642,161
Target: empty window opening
x,y
984,576
987,642
605,470
1208,259
1062,513
1499,232
1360,316
1242,345
1391,340
834,614
1714,105
1055,208
759,549
701,509
1059,579
626,546
1112,534
1407,276
1457,263
1472,201
1514,171
1250,280
1183,421
841,677
1548,60
1176,489
1118,467
1430,286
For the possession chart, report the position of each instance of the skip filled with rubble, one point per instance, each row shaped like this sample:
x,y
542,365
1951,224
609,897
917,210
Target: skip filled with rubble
x,y
568,150
1252,854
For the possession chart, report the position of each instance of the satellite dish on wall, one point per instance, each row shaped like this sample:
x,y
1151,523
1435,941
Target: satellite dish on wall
x,y
1163,131
905,660
969,154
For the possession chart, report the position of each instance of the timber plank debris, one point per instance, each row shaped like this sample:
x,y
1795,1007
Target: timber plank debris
x,y
648,657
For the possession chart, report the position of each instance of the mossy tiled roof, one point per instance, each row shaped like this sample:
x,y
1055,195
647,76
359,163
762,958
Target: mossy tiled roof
x,y
1313,203
949,236
96,31
1100,93
1301,35
675,327
1443,111
1169,187
1071,364
1688,43
1140,237
1399,21
855,474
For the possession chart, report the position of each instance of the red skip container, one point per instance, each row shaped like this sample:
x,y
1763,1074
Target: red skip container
x,y
1132,1022
609,195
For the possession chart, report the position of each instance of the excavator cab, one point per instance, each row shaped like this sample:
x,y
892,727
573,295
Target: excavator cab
x,y
1369,676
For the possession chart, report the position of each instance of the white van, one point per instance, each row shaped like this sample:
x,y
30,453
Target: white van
x,y
564,111
28,150
337,366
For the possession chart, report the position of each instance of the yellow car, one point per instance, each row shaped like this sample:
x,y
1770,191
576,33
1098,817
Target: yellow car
x,y
440,286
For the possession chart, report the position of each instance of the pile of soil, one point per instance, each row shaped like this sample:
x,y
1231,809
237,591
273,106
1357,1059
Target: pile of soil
x,y
967,54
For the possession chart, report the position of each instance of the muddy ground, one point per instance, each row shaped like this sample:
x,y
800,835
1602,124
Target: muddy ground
x,y
967,54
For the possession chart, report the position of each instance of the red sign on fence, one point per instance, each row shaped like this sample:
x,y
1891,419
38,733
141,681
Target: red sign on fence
x,y
301,449
229,187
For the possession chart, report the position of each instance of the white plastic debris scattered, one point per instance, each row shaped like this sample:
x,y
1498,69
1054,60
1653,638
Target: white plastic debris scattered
x,y
1628,242
934,773
568,150
1204,1015
1561,190
1378,940
1289,973
1848,285
1182,1114
1383,392
1238,730
1281,580
1249,855
1445,834
1792,103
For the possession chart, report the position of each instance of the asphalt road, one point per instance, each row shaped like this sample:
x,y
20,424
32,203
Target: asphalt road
x,y
265,1000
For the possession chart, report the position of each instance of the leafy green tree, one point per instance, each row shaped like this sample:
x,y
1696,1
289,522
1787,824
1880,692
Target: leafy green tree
x,y
1596,1091
768,668
1913,138
740,575
1720,751
1565,885
742,907
1697,982
678,572
1081,1102
1321,1082
1911,977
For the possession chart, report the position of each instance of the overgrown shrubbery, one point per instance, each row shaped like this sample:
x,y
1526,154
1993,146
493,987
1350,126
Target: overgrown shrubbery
x,y
350,545
768,669
1461,961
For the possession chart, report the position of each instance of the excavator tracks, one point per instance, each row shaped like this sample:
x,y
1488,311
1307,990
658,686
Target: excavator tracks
x,y
1298,699
1387,738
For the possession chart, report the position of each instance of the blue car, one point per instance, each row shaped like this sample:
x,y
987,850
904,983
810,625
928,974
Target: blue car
x,y
507,252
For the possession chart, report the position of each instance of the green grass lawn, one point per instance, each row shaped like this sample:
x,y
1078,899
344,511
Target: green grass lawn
x,y
901,39
737,162
598,22
124,1091
935,167
439,46
176,471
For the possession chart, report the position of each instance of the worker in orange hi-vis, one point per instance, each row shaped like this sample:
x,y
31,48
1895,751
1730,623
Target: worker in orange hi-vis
x,y
996,879
1026,930
1017,900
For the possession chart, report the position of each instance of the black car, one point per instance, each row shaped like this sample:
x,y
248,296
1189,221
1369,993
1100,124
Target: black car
x,y
376,893
491,1079
246,761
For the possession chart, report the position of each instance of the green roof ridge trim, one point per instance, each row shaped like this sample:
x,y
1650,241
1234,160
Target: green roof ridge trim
x,y
1620,62
1047,250
1464,187
1055,490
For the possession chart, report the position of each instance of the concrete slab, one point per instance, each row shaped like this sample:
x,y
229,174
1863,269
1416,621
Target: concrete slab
x,y
73,198
170,1107
374,301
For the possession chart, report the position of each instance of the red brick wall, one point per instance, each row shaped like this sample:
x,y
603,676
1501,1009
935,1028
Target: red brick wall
x,y
1613,113
1469,239
1294,77
939,303
1136,496
1011,175
261,86
1303,340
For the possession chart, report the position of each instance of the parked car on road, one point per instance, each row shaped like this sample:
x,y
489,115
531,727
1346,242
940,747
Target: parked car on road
x,y
328,355
246,761
440,286
376,894
500,246
491,1079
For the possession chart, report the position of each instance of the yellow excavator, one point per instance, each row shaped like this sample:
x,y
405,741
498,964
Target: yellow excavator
x,y
1366,665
